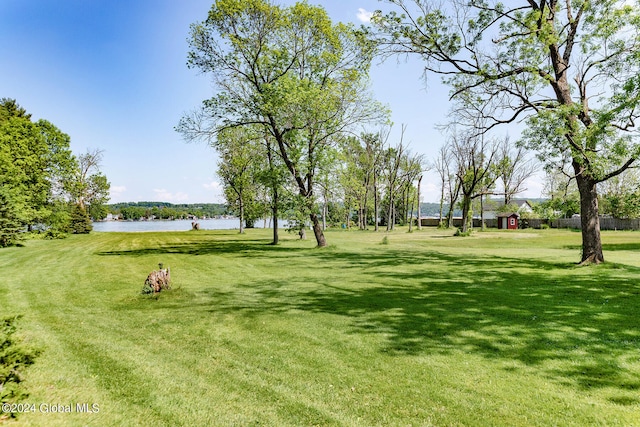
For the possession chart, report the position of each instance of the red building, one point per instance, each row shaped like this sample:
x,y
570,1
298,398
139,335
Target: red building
x,y
508,221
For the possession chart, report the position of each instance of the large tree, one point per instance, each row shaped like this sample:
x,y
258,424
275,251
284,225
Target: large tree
x,y
287,69
513,168
275,179
475,159
571,66
88,187
239,168
35,160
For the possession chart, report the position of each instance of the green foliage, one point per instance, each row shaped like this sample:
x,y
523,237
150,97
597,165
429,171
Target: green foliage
x,y
98,211
242,160
11,221
620,196
137,210
15,356
35,164
59,221
147,289
559,207
622,205
460,233
79,221
10,108
287,71
87,185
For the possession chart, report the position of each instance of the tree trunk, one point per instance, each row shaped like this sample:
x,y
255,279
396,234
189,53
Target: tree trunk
x,y
466,211
324,215
390,219
408,210
324,210
419,211
274,193
375,200
276,238
364,210
411,219
440,223
590,221
274,212
450,216
306,191
241,215
394,214
317,230
484,227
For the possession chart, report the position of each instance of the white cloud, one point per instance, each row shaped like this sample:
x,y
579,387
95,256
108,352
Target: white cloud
x,y
216,188
364,15
429,192
163,195
116,190
213,185
535,187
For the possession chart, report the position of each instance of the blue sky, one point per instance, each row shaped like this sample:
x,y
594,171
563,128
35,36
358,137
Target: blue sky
x,y
113,75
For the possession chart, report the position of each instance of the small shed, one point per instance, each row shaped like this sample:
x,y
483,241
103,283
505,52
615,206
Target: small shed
x,y
508,221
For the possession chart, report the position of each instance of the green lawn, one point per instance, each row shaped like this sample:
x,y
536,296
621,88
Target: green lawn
x,y
498,329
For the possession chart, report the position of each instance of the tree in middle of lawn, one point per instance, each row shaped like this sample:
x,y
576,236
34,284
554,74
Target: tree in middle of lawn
x,y
289,70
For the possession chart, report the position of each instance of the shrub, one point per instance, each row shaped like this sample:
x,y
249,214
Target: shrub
x,y
14,357
147,289
459,233
55,233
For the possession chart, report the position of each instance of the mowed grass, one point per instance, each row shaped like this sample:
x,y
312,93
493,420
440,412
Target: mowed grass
x,y
498,329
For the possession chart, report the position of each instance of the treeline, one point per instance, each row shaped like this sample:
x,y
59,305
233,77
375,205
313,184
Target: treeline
x,y
44,187
429,209
164,210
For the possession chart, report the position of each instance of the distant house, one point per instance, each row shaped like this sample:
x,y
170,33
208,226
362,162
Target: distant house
x,y
493,206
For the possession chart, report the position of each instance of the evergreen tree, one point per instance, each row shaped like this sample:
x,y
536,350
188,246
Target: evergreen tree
x,y
80,221
11,224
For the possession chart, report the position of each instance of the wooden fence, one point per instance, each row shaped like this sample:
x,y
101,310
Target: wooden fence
x,y
605,223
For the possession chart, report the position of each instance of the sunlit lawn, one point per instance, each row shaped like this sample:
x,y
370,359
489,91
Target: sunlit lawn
x,y
501,328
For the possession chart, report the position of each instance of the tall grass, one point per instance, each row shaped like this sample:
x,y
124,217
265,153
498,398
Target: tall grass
x,y
501,328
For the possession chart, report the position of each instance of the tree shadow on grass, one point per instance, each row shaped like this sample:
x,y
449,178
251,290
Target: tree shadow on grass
x,y
606,247
209,247
621,247
530,311
578,326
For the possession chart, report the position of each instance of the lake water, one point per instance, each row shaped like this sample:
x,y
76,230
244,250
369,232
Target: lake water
x,y
177,225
